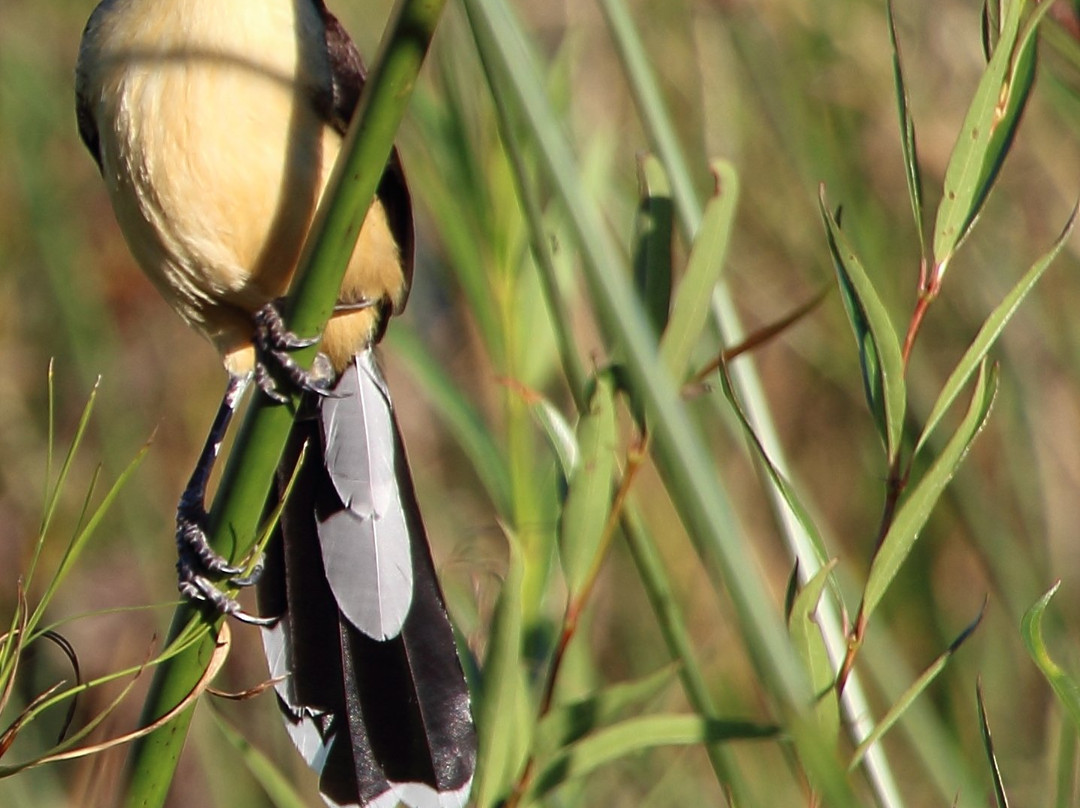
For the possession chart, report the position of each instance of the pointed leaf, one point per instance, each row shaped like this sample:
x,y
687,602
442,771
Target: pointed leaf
x,y
791,498
567,723
652,241
808,641
907,135
991,26
989,333
988,744
559,434
502,721
987,132
635,735
879,349
1066,687
917,687
693,296
588,502
915,510
274,783
457,413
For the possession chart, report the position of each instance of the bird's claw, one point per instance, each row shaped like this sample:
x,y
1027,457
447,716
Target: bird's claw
x,y
273,342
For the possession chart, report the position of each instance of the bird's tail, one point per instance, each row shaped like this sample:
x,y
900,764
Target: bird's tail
x,y
372,692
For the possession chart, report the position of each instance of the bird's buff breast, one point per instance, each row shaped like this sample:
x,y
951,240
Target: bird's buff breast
x,y
214,164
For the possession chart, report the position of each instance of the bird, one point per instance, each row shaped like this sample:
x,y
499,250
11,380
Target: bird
x,y
215,125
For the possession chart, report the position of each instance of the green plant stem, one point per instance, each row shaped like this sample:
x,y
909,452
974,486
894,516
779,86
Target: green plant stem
x,y
249,474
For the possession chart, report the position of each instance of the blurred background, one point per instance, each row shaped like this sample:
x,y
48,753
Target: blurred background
x,y
793,93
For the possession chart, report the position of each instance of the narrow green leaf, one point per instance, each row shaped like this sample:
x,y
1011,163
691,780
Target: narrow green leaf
x,y
1065,770
636,735
503,731
806,635
989,333
588,502
987,132
458,415
907,135
559,434
915,510
652,241
879,349
1066,687
78,542
779,481
988,744
566,723
275,784
991,26
906,699
690,309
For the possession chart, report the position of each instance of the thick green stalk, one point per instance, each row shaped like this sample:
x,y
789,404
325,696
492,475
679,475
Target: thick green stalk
x,y
249,474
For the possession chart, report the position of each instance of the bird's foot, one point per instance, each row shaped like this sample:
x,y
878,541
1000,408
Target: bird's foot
x,y
273,342
200,568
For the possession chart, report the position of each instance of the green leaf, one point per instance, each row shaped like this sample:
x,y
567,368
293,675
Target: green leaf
x,y
690,309
991,26
988,744
875,338
987,133
914,691
806,636
588,502
502,719
275,784
779,481
989,333
652,241
566,723
907,135
1065,686
915,510
636,735
559,434
458,415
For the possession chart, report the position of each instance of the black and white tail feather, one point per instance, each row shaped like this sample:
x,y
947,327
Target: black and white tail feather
x,y
370,687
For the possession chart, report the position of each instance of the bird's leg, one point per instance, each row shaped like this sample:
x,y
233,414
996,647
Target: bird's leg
x,y
198,565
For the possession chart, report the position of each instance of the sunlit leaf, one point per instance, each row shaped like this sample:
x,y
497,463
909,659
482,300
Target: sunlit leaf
x,y
635,735
807,638
907,135
916,689
277,787
501,714
566,723
588,501
458,414
690,308
875,338
779,481
915,509
987,132
989,333
1066,687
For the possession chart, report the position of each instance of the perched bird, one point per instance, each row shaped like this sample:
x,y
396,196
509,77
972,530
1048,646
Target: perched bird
x,y
215,124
